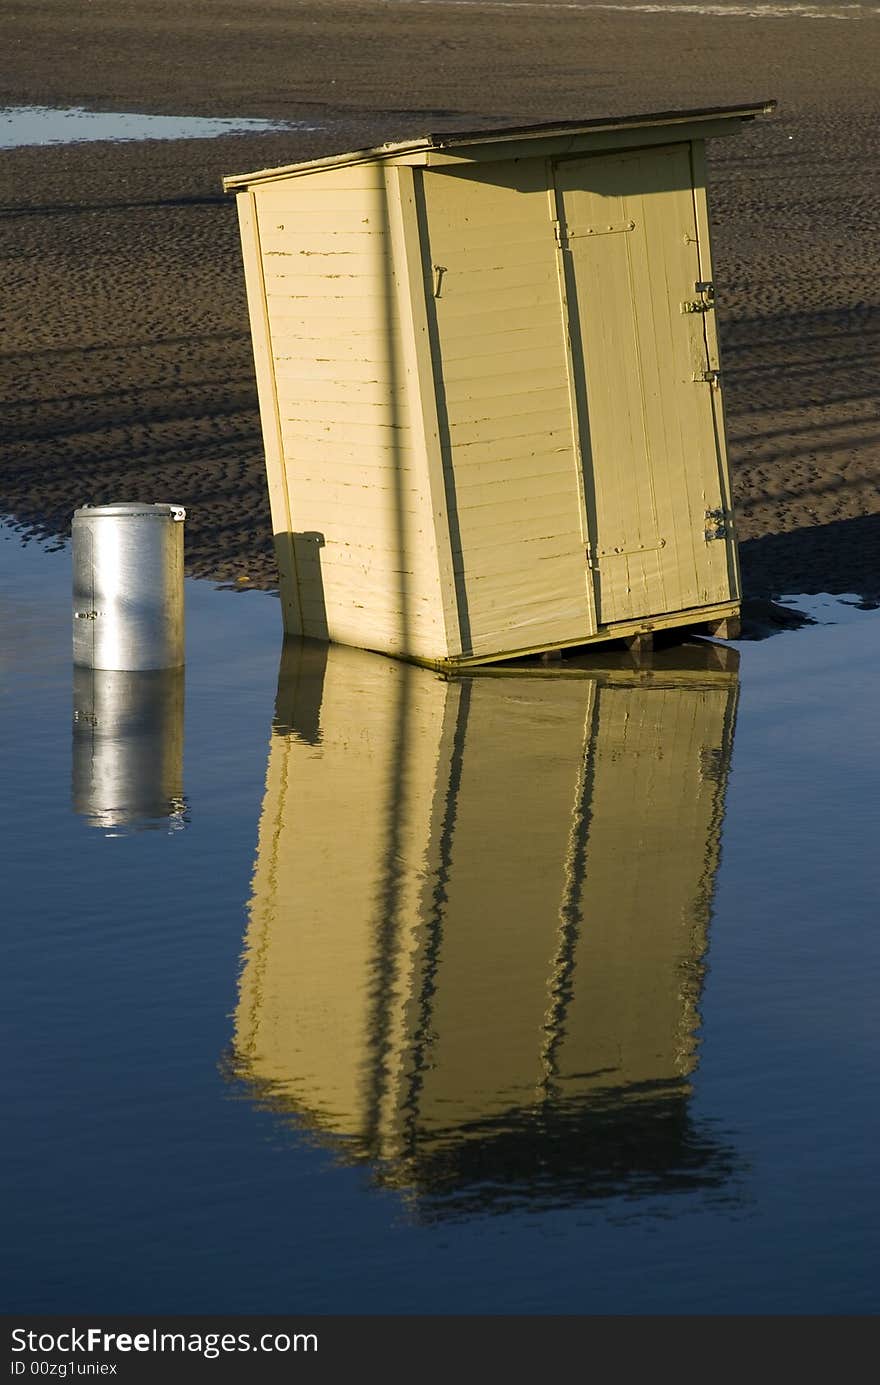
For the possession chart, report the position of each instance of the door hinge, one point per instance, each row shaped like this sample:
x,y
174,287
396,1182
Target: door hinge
x,y
716,525
707,377
706,289
561,235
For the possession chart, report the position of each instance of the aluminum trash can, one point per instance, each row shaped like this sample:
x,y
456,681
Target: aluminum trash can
x,y
128,749
128,586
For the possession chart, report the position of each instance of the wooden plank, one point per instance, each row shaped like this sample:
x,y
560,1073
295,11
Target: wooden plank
x,y
713,354
484,233
363,347
493,370
491,391
361,506
506,495
360,290
328,316
356,560
524,447
483,527
673,350
326,456
384,468
501,337
497,261
292,239
485,551
534,465
405,193
311,221
371,415
480,304
529,619
489,432
507,417
527,333
539,278
347,483
577,419
301,200
331,393
608,354
279,498
334,268
313,369
336,517
568,145
372,433
377,599
503,583
662,271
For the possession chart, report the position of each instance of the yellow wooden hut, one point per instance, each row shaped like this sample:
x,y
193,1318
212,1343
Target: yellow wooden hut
x,y
490,387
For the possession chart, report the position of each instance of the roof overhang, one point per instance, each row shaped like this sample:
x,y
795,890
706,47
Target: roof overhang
x,y
517,141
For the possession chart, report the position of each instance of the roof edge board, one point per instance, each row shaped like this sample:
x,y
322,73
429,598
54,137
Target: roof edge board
x,y
235,182
626,122
475,139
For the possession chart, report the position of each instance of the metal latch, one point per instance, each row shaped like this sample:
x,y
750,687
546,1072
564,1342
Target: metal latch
x,y
706,289
86,615
607,228
716,525
707,377
621,552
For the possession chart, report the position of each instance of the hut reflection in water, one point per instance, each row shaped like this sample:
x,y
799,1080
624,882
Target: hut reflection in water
x,y
479,921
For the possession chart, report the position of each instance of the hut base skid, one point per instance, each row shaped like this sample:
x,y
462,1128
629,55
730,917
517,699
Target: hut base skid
x,y
489,386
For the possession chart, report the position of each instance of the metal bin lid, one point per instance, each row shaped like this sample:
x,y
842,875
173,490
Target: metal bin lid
x,y
130,509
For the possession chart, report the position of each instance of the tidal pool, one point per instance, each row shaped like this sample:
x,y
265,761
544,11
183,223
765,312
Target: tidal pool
x,y
23,125
337,986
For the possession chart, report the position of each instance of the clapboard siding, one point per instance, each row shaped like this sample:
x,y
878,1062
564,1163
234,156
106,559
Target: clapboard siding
x,y
343,398
511,452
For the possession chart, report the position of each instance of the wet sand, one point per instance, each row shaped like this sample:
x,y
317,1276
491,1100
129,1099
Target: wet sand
x,y
126,351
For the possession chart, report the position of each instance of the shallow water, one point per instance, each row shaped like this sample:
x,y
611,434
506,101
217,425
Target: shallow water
x,y
726,9
29,125
535,992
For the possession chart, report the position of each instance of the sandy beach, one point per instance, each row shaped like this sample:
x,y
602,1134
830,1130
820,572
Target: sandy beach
x,y
126,350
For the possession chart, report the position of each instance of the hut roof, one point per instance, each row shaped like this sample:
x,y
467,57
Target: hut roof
x,y
461,141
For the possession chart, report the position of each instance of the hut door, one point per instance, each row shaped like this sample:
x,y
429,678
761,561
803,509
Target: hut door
x,y
627,231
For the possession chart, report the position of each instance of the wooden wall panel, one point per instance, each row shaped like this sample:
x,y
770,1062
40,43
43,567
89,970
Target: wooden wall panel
x,y
512,467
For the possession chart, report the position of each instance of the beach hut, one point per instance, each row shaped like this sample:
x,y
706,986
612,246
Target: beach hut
x,y
489,384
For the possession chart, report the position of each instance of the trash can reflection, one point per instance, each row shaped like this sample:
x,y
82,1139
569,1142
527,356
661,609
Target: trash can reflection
x,y
128,749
